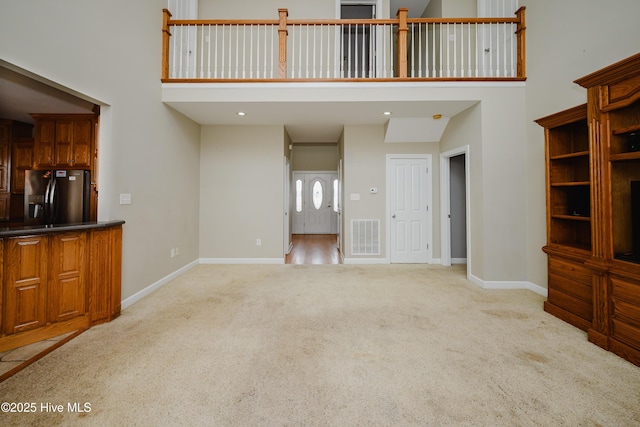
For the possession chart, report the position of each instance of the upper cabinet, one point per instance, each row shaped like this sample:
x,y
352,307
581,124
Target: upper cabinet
x,y
63,141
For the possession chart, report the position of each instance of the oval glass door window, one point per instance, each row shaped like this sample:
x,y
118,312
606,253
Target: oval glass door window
x,y
317,194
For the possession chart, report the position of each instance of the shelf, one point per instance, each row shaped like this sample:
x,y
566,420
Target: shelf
x,y
633,155
571,155
628,129
572,183
573,217
584,248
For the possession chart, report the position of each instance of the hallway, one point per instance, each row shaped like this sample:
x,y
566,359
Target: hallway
x,y
314,249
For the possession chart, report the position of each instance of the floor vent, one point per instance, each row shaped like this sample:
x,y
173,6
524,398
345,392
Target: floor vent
x,y
365,237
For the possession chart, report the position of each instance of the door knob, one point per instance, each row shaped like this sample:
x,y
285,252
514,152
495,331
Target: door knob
x,y
393,216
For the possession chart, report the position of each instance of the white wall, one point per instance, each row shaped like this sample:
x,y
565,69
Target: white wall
x,y
110,51
242,192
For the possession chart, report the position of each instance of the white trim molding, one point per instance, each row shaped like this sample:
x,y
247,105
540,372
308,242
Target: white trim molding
x,y
364,261
508,284
241,260
157,285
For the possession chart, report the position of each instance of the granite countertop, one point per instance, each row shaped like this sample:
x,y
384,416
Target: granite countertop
x,y
27,230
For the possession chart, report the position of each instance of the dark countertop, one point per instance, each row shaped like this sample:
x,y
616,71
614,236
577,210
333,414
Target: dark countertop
x,y
29,230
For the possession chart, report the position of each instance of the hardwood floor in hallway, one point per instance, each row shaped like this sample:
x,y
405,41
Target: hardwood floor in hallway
x,y
314,249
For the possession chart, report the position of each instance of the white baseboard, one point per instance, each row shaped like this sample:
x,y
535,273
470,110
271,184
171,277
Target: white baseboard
x,y
160,283
241,260
365,261
458,260
508,284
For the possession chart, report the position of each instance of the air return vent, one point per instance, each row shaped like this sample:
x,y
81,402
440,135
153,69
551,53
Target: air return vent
x,y
365,237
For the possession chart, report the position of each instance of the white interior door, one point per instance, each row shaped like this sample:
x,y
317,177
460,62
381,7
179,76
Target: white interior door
x,y
315,208
409,200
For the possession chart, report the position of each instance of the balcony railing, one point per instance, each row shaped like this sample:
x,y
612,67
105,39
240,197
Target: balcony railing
x,y
343,49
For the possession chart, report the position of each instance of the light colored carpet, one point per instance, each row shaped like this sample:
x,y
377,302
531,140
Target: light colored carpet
x,y
337,345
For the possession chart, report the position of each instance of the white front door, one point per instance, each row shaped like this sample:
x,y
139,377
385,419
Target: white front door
x,y
315,209
409,200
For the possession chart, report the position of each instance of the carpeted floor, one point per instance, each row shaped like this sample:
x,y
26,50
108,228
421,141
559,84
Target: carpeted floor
x,y
338,345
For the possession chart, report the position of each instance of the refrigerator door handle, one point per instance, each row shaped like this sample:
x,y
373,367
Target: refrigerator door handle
x,y
47,206
52,202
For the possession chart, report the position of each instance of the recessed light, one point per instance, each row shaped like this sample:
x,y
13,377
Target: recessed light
x,y
242,113
387,113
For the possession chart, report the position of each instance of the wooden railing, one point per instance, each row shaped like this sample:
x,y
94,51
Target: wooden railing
x,y
341,49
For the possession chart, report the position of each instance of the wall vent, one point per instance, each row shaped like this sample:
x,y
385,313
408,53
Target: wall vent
x,y
365,237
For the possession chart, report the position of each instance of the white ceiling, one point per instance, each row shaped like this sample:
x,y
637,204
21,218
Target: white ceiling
x,y
308,122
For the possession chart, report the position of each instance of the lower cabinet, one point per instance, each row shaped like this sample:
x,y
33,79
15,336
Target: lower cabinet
x,y
67,287
26,270
58,282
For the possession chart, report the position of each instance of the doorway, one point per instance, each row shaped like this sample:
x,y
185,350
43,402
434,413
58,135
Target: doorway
x,y
455,206
315,202
314,249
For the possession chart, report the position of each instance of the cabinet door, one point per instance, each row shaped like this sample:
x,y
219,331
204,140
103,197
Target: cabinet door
x,y
4,167
82,138
26,284
21,159
100,269
45,133
67,296
64,143
5,207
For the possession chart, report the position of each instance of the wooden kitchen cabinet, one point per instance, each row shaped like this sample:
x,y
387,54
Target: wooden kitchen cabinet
x,y
21,160
25,304
57,282
67,287
105,266
63,141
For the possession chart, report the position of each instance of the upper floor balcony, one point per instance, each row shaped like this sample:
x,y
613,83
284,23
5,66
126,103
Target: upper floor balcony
x,y
349,50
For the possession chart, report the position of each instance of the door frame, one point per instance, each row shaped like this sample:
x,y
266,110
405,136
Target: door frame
x,y
292,211
376,3
288,178
429,199
445,203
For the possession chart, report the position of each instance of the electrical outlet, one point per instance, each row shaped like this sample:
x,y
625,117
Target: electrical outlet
x,y
125,199
258,242
173,252
177,250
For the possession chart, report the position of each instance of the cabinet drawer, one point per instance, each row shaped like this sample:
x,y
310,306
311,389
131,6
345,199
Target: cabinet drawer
x,y
625,311
574,271
570,287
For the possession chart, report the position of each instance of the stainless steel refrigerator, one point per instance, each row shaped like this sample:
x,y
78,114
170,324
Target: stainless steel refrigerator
x,y
56,196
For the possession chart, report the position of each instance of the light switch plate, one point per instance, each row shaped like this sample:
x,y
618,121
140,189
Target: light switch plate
x,y
125,199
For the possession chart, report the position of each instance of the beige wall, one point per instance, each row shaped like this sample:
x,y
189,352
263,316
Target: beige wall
x,y
148,149
242,192
315,157
364,167
268,9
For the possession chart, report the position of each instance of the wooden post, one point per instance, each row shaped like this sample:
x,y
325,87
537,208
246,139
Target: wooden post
x,y
402,42
166,35
522,47
282,32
